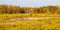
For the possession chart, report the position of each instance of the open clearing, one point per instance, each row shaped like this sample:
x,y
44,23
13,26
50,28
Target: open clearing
x,y
27,22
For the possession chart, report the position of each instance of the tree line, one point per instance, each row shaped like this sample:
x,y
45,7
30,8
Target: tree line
x,y
9,9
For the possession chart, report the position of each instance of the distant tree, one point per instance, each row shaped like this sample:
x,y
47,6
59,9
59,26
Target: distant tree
x,y
3,8
52,9
17,9
22,10
43,9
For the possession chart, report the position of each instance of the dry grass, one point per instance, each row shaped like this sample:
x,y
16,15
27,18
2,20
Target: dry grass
x,y
42,24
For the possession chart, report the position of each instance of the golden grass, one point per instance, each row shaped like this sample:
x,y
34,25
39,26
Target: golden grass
x,y
28,15
42,24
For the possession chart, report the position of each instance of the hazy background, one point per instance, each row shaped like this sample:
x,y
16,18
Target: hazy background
x,y
30,3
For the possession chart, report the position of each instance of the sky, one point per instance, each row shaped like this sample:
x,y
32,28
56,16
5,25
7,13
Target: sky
x,y
30,3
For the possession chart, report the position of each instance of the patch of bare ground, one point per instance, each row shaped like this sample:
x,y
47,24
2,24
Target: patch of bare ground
x,y
20,18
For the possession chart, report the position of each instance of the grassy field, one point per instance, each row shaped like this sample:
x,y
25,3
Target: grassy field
x,y
41,24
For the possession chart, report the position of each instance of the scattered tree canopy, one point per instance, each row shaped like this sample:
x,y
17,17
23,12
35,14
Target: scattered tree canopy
x,y
9,9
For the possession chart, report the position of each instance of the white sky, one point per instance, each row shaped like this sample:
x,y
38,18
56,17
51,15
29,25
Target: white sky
x,y
30,3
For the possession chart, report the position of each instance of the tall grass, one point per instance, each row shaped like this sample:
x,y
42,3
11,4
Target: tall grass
x,y
41,24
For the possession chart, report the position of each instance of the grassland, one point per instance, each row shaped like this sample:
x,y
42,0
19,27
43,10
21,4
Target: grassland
x,y
41,24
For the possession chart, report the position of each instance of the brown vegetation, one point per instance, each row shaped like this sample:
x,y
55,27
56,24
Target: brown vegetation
x,y
17,9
